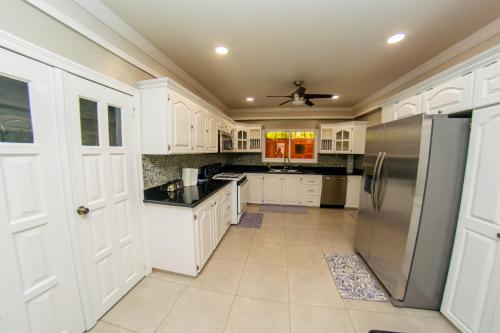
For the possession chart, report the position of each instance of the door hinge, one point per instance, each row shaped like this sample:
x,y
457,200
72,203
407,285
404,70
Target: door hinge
x,y
133,112
195,217
197,267
169,97
169,147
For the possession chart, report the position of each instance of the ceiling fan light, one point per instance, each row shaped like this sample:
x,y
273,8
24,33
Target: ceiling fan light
x,y
250,99
298,102
335,97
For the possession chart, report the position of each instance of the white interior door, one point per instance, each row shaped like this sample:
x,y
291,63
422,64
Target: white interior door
x,y
38,288
104,147
473,288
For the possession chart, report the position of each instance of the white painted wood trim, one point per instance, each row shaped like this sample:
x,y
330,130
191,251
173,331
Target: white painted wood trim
x,y
23,47
290,117
108,17
479,36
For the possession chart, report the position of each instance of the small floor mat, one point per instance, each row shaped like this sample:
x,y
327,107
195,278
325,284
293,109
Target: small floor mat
x,y
283,209
251,220
353,279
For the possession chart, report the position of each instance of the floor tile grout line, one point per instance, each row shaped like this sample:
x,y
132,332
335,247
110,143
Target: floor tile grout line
x,y
113,324
171,308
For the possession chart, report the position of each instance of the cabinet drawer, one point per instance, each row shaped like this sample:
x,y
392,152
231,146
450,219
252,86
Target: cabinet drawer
x,y
311,180
311,189
309,200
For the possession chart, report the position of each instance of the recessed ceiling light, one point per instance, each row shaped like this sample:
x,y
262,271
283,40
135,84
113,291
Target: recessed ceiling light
x,y
221,50
335,97
249,99
396,38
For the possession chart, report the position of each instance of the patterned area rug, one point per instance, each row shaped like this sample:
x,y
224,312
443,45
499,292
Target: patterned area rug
x,y
283,209
251,220
353,279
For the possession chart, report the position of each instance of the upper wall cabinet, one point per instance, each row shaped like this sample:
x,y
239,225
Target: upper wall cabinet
x,y
487,86
343,138
248,138
173,123
452,96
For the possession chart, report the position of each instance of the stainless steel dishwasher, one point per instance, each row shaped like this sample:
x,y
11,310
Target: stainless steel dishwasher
x,y
334,190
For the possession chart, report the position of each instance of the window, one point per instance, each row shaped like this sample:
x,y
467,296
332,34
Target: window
x,y
15,112
88,122
299,145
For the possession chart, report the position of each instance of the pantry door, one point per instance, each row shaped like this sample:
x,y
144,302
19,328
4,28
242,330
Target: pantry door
x,y
103,141
38,286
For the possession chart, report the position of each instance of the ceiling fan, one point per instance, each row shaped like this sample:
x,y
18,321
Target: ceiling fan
x,y
299,96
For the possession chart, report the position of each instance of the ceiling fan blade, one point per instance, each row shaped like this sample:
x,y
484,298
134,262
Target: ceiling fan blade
x,y
285,102
309,96
278,96
308,102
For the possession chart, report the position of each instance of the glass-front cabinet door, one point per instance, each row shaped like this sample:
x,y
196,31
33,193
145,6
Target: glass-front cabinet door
x,y
343,136
242,139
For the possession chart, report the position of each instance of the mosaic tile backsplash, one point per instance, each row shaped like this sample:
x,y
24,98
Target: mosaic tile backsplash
x,y
158,169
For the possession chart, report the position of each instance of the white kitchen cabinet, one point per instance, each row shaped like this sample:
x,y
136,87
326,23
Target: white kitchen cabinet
x,y
272,189
247,138
290,190
472,290
310,190
255,188
173,123
451,96
182,239
352,192
407,107
180,118
199,130
212,134
204,229
487,85
283,189
343,138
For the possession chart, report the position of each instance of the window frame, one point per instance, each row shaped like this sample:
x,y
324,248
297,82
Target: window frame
x,y
292,160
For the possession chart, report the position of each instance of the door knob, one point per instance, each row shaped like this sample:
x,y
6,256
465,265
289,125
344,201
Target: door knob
x,y
82,210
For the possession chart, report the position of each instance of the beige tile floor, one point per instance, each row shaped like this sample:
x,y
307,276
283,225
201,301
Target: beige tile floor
x,y
273,279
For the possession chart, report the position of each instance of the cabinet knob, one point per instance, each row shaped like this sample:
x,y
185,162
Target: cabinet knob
x,y
82,210
498,235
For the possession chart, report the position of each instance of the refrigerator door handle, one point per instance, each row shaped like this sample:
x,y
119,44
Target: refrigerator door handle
x,y
377,187
374,179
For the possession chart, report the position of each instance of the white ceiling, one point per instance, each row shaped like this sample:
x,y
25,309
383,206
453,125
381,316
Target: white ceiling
x,y
334,46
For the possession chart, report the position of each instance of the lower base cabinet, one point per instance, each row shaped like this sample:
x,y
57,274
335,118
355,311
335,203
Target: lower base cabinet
x,y
182,239
352,193
283,189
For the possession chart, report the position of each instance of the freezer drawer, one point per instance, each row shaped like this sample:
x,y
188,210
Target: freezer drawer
x,y
334,190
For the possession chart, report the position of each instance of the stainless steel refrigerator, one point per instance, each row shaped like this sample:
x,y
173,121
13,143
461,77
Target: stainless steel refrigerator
x,y
412,184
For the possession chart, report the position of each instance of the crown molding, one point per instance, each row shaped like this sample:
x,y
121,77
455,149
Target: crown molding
x,y
30,50
302,117
292,109
110,19
474,39
117,24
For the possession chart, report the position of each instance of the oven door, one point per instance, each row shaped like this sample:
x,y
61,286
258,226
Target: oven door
x,y
242,198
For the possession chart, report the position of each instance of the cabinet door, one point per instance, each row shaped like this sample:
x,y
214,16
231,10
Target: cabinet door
x,y
449,97
487,85
255,188
272,189
342,136
326,139
472,289
352,193
199,131
358,139
408,107
218,220
204,223
180,123
212,134
290,190
241,140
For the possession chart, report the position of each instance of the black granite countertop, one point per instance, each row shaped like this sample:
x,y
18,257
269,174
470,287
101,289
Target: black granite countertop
x,y
189,196
304,170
